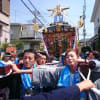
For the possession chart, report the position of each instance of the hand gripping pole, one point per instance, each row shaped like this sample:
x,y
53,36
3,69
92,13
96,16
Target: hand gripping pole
x,y
97,91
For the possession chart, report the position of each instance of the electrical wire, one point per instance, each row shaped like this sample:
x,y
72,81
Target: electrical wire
x,y
37,11
32,12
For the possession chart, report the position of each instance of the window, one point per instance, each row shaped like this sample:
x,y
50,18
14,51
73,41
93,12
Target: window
x,y
0,30
98,20
0,5
6,40
5,7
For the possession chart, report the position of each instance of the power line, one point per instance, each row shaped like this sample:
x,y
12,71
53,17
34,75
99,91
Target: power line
x,y
32,12
37,11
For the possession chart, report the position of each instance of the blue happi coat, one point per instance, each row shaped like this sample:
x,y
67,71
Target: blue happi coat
x,y
65,77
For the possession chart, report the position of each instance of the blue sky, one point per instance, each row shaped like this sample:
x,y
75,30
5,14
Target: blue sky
x,y
20,14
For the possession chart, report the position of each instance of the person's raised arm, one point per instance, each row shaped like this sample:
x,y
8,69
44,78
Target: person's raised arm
x,y
17,70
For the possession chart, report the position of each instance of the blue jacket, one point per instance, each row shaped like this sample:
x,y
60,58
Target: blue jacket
x,y
68,93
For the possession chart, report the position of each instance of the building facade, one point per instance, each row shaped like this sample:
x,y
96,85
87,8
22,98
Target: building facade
x,y
4,21
96,20
25,33
96,16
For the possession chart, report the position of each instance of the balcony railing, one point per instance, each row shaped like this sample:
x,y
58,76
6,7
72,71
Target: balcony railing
x,y
27,34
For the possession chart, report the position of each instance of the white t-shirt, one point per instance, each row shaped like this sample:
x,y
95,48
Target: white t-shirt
x,y
7,63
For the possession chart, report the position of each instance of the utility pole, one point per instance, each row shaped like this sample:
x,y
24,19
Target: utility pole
x,y
84,17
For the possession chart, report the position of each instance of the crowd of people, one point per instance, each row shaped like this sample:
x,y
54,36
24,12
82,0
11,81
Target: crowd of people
x,y
19,83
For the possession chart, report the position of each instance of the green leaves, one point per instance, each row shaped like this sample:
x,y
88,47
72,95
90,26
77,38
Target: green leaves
x,y
4,45
19,45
